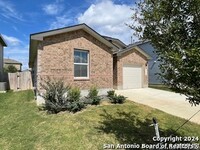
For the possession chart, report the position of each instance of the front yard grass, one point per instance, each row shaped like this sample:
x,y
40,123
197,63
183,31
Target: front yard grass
x,y
23,126
160,87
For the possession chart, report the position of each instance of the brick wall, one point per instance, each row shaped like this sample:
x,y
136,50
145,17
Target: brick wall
x,y
131,57
55,59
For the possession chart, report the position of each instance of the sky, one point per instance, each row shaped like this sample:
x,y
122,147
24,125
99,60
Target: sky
x,y
20,18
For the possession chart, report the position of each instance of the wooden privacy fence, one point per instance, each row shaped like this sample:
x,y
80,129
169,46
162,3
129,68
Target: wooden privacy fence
x,y
19,81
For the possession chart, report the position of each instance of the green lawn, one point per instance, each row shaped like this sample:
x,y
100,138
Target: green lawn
x,y
24,127
160,87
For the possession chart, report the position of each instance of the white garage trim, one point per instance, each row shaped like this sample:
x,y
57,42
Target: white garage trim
x,y
132,76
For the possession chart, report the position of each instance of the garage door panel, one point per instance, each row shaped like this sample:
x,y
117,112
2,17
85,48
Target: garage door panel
x,y
132,77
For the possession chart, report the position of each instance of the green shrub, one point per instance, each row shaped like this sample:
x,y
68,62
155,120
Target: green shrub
x,y
93,98
74,94
111,93
114,98
75,106
93,92
55,99
92,101
73,97
96,100
54,108
117,99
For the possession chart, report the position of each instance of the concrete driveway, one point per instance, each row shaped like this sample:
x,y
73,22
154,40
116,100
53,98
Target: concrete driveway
x,y
169,102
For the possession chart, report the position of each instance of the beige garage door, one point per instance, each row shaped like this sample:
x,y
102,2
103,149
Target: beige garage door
x,y
132,77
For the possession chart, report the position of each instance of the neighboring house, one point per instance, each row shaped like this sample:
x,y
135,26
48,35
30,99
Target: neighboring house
x,y
2,45
17,64
153,63
83,58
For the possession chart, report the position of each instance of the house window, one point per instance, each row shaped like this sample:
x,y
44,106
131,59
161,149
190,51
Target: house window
x,y
81,64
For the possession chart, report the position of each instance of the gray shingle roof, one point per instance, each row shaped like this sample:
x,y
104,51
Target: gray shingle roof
x,y
134,45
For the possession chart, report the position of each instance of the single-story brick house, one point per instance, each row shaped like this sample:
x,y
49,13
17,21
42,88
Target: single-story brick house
x,y
83,58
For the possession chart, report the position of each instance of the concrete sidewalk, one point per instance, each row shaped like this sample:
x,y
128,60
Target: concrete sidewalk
x,y
169,102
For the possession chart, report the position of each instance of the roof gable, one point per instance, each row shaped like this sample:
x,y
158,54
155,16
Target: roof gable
x,y
36,37
136,47
40,36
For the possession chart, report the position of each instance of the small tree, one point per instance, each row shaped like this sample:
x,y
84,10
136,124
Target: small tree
x,y
173,28
10,69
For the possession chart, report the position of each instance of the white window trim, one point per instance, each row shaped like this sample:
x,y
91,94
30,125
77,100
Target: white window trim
x,y
86,64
